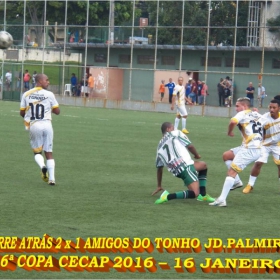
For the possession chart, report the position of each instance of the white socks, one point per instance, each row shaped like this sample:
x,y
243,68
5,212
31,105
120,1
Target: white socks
x,y
39,160
184,122
50,166
229,182
176,123
252,180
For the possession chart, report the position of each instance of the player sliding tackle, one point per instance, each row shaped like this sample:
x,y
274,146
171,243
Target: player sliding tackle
x,y
173,153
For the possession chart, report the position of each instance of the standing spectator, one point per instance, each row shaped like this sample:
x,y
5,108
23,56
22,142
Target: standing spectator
x,y
199,88
1,83
19,81
171,87
84,86
8,82
204,92
193,94
74,82
90,84
161,90
188,87
261,94
36,107
228,92
221,92
26,79
33,79
250,93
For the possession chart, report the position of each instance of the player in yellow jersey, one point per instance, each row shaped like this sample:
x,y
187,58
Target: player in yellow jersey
x,y
270,145
250,150
179,97
36,107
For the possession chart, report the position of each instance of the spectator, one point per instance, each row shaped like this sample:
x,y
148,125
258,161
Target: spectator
x,y
171,86
90,84
221,92
227,90
161,90
250,93
8,80
193,94
33,79
73,81
26,79
204,92
84,86
199,88
188,87
19,81
261,94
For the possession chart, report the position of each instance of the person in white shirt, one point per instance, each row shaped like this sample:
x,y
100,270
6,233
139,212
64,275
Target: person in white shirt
x,y
261,94
179,98
251,129
36,107
8,78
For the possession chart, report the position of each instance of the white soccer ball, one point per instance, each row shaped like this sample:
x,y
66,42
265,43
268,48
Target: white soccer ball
x,y
6,40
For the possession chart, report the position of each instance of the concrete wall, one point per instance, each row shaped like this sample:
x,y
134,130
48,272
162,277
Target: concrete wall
x,y
267,38
47,55
148,106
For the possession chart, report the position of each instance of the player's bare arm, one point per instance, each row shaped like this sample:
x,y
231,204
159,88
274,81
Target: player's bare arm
x,y
192,149
159,180
231,126
56,110
22,113
173,102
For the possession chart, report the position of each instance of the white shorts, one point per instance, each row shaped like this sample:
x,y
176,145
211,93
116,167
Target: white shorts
x,y
41,136
235,150
267,150
181,110
244,157
84,89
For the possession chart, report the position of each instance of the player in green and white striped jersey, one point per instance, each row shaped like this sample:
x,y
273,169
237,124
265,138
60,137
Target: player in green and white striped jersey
x,y
173,152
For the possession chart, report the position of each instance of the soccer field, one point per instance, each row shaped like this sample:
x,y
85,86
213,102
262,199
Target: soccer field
x,y
105,174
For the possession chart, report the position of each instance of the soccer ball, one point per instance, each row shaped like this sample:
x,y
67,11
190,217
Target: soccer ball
x,y
6,40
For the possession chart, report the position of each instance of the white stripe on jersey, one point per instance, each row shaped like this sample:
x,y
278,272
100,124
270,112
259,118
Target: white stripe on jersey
x,y
271,130
172,152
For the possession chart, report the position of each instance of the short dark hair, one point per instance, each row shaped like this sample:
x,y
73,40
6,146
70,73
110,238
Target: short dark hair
x,y
277,97
276,101
164,126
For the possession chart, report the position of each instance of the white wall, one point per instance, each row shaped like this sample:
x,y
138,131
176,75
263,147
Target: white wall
x,y
46,55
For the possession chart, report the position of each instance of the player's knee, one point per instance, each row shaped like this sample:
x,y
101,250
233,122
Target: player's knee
x,y
228,155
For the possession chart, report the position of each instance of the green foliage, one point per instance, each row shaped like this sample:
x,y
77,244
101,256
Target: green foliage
x,y
274,24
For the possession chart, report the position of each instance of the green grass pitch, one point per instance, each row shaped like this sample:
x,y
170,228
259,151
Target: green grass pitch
x,y
105,173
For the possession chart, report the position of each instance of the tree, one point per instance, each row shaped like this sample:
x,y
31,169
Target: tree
x,y
274,24
222,21
76,13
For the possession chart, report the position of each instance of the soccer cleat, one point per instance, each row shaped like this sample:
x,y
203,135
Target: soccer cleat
x,y
237,185
163,198
206,198
217,202
247,189
44,174
185,131
51,183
